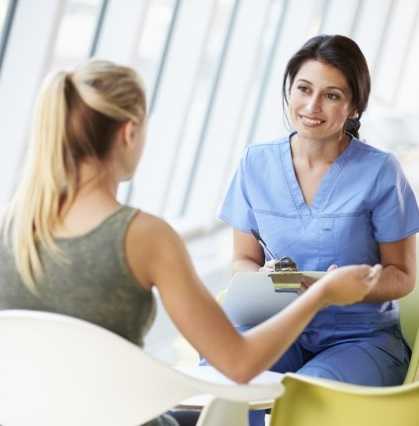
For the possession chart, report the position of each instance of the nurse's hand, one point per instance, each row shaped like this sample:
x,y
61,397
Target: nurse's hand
x,y
269,266
266,268
349,284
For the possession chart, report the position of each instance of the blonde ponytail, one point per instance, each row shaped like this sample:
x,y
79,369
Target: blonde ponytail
x,y
35,205
57,146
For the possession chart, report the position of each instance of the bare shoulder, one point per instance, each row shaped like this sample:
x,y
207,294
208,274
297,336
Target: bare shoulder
x,y
151,229
150,243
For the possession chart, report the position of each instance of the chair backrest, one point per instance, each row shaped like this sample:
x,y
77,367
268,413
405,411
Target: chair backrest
x,y
409,316
409,319
58,370
409,311
412,374
308,402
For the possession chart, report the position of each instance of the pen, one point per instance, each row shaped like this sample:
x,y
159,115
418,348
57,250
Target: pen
x,y
262,243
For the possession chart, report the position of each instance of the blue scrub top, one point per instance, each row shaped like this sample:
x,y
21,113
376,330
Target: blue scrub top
x,y
363,199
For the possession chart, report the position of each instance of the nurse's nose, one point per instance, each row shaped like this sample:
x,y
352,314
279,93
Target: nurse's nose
x,y
314,103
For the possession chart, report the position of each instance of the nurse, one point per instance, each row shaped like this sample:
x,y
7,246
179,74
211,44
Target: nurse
x,y
323,197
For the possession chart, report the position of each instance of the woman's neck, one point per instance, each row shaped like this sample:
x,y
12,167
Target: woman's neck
x,y
96,177
318,151
95,199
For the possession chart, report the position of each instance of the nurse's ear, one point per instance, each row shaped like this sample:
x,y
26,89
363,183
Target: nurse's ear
x,y
352,123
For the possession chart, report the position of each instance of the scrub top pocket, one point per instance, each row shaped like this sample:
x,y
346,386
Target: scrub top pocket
x,y
309,241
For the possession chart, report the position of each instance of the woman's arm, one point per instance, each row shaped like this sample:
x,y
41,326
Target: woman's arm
x,y
158,256
247,252
398,277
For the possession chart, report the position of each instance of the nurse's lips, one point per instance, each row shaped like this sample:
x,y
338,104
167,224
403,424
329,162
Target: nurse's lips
x,y
311,121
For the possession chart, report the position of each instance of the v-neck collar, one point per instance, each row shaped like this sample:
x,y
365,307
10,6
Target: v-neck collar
x,y
327,182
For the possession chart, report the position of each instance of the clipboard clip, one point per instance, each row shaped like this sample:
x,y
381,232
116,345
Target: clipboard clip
x,y
286,282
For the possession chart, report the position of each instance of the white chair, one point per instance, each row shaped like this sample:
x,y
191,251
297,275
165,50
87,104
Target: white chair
x,y
57,371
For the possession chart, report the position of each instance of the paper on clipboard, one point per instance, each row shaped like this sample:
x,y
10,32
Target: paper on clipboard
x,y
253,297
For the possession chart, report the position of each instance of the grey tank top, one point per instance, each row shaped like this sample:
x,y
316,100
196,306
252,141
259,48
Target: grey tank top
x,y
94,283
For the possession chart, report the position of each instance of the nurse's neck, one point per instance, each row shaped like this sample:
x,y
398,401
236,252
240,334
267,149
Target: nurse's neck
x,y
317,152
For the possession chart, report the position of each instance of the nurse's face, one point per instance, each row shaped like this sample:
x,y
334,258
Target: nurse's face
x,y
319,101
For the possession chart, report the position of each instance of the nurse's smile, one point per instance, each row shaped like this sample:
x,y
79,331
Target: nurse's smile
x,y
311,122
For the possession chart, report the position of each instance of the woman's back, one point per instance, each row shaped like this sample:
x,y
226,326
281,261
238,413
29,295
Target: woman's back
x,y
93,281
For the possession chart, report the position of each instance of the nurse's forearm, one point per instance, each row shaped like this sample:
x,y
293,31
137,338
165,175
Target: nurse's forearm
x,y
393,284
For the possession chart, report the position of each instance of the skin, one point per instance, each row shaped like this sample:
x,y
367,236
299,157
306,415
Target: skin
x,y
158,258
319,104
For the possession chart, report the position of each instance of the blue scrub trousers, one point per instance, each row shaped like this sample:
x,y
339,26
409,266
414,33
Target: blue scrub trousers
x,y
365,356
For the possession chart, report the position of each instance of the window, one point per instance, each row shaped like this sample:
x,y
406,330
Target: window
x,y
7,9
4,6
392,60
234,108
339,17
184,74
76,32
152,44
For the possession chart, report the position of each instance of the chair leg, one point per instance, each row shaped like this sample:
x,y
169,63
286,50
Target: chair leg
x,y
222,412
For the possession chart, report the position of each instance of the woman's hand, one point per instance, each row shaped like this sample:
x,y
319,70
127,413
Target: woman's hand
x,y
349,284
306,282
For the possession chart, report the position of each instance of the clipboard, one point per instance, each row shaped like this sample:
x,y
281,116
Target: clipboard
x,y
253,297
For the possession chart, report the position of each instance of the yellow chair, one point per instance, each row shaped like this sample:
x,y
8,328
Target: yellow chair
x,y
413,371
309,401
409,319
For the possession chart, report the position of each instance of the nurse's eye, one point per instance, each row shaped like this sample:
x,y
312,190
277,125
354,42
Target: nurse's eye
x,y
303,89
333,96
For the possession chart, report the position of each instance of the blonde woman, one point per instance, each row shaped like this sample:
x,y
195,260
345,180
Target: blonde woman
x,y
70,247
